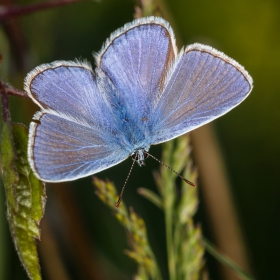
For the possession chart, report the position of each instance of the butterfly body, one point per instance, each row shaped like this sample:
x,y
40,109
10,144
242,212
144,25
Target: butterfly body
x,y
142,92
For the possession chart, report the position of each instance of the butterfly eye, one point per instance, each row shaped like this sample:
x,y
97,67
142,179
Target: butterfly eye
x,y
139,156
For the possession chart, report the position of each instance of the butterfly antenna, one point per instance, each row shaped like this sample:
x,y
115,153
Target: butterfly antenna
x,y
184,179
121,195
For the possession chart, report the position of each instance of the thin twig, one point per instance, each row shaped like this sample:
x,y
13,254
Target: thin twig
x,y
11,90
5,103
15,11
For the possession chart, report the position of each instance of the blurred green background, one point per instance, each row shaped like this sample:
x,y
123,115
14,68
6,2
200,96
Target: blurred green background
x,y
249,136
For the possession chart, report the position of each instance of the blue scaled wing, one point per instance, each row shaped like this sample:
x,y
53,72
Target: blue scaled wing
x,y
74,134
136,59
202,85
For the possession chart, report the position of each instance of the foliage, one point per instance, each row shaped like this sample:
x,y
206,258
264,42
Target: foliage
x,y
184,238
25,196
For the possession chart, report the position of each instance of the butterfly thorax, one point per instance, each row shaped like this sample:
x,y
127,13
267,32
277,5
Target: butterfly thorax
x,y
139,156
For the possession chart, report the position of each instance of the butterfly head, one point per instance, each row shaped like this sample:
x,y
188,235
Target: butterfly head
x,y
140,155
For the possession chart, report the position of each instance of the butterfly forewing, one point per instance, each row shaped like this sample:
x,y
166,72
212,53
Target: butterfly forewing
x,y
136,59
203,85
69,90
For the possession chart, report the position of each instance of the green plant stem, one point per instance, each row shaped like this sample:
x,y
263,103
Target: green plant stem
x,y
168,199
177,238
170,245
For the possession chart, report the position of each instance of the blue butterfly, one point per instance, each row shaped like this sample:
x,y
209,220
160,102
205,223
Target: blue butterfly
x,y
142,92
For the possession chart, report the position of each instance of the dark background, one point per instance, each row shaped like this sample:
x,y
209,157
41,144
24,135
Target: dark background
x,y
248,136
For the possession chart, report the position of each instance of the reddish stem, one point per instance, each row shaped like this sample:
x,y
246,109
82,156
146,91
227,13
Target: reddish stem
x,y
16,92
14,11
5,103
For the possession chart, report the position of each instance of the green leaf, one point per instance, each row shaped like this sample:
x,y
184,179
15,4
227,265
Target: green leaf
x,y
226,261
150,195
4,252
25,196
